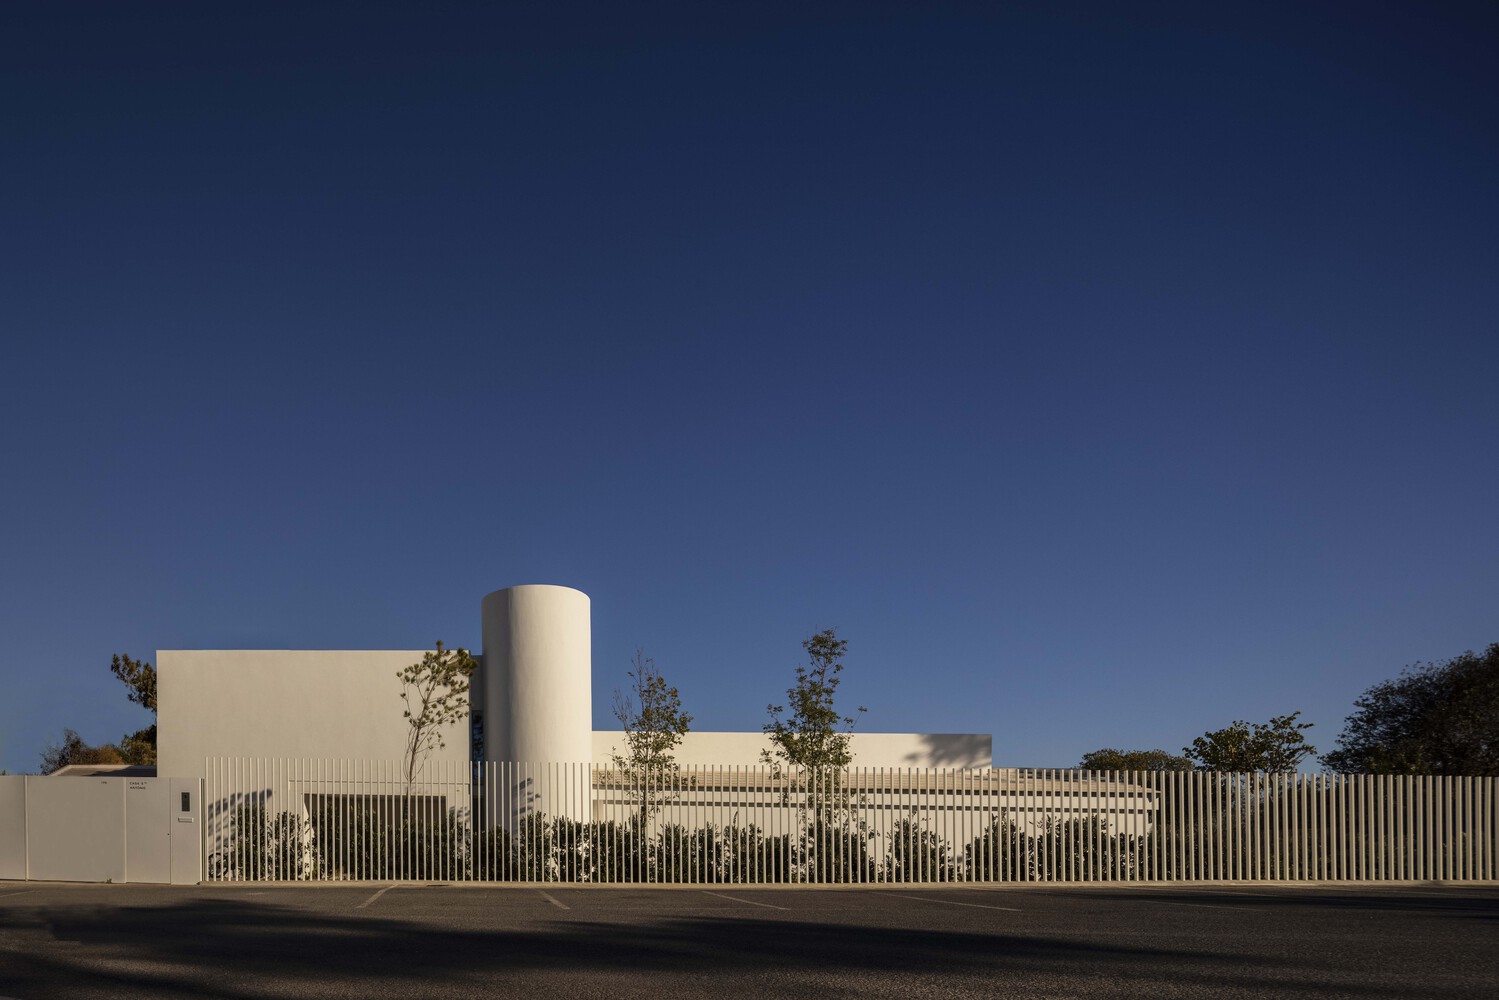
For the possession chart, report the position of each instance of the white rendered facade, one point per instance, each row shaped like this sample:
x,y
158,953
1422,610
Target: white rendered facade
x,y
534,690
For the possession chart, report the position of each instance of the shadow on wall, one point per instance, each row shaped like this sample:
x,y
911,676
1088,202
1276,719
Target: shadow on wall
x,y
953,750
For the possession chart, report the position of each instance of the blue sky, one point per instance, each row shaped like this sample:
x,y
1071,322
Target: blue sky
x,y
1102,376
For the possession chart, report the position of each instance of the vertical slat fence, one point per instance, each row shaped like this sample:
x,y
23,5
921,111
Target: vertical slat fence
x,y
340,820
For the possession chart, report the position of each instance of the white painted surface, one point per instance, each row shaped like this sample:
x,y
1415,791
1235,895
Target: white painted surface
x,y
75,829
12,826
184,812
148,844
284,703
869,749
538,683
100,829
538,675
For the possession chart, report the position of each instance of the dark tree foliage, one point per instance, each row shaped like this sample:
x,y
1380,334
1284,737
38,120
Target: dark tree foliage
x,y
1440,718
139,678
72,750
1134,760
139,747
1277,746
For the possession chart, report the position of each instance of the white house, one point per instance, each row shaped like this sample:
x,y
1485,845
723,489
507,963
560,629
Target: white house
x,y
531,701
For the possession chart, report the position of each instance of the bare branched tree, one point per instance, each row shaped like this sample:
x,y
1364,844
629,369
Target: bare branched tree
x,y
651,713
435,691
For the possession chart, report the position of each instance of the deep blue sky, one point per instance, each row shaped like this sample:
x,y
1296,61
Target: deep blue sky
x,y
1102,376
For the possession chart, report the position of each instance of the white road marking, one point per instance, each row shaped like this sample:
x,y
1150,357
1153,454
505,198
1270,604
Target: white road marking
x,y
21,893
376,896
752,902
553,900
950,902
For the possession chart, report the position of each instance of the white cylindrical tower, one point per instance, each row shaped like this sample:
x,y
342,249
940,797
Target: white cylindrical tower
x,y
538,675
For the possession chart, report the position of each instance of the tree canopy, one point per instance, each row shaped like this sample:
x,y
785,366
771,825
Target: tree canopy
x,y
1437,718
812,733
139,678
72,750
1277,746
1109,759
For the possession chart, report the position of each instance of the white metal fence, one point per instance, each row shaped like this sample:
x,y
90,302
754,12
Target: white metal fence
x,y
335,820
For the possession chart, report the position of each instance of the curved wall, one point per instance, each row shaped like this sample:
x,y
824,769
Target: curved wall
x,y
538,675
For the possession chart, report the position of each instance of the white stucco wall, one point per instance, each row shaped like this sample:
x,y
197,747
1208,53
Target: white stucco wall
x,y
12,826
537,688
869,749
284,703
346,704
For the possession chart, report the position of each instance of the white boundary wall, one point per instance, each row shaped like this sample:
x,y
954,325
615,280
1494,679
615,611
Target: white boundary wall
x,y
12,826
101,829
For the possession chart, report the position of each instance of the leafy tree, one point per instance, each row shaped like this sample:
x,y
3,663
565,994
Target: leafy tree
x,y
1276,746
809,735
139,678
72,750
1134,760
1440,718
651,713
435,691
139,747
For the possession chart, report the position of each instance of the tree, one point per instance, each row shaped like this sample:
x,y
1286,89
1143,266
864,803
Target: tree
x,y
651,713
139,678
1440,718
1134,760
435,692
72,750
809,735
1276,746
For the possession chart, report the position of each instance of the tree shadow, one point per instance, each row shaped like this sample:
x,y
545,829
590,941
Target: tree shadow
x,y
954,750
238,948
1475,902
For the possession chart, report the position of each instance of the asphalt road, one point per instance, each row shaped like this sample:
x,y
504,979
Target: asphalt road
x,y
450,941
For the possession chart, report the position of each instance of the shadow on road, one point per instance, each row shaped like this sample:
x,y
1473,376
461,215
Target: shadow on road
x,y
242,948
1477,902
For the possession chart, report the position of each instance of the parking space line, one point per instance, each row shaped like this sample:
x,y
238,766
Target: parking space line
x,y
752,902
950,902
376,896
21,893
553,900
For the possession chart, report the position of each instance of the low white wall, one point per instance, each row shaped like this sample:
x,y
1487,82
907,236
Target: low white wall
x,y
12,826
75,829
284,703
66,828
869,749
